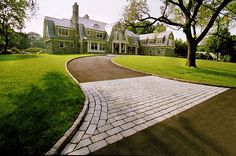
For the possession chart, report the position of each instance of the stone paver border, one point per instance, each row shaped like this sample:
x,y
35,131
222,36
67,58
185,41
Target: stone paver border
x,y
56,149
113,115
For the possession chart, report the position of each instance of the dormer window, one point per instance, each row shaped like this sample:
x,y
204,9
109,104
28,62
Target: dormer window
x,y
88,33
96,26
63,32
99,35
159,41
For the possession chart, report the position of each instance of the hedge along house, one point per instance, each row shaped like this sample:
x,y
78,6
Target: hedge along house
x,y
84,35
157,44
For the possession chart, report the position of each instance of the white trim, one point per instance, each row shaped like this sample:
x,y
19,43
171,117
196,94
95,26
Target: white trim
x,y
62,29
88,32
90,50
98,36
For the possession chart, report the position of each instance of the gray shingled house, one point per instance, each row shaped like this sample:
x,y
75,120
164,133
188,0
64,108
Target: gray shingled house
x,y
84,35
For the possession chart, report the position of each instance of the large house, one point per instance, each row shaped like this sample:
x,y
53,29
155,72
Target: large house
x,y
84,35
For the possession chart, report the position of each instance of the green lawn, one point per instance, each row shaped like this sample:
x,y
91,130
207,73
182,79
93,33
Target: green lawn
x,y
38,102
208,72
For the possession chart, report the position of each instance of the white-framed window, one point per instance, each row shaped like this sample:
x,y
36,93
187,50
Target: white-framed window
x,y
94,46
159,41
143,42
61,44
63,32
102,46
99,35
116,36
151,41
88,33
96,26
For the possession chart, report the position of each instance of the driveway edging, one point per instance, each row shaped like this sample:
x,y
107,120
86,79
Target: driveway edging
x,y
57,148
170,78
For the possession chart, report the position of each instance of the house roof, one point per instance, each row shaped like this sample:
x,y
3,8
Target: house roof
x,y
108,29
88,23
92,24
153,35
60,22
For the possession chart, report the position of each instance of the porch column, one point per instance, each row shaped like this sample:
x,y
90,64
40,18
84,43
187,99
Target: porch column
x,y
136,51
125,49
112,47
98,48
119,47
88,47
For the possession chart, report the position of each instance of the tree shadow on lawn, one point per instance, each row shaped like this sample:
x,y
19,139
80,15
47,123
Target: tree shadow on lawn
x,y
44,113
211,71
13,57
165,139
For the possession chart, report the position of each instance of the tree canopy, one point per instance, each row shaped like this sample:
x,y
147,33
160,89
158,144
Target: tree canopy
x,y
13,14
222,43
145,27
194,17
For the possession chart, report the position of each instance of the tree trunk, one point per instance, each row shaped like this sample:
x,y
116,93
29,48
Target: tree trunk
x,y
6,45
191,57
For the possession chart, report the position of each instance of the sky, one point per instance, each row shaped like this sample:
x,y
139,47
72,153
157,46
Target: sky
x,y
108,11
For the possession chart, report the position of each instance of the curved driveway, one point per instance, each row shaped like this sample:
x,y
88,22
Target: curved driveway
x,y
98,68
126,102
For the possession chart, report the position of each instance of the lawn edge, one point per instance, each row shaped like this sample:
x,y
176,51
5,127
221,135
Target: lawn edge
x,y
170,78
61,143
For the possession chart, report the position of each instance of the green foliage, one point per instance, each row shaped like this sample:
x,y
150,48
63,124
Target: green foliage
x,y
14,50
188,15
221,43
226,58
142,28
181,48
12,17
208,72
33,50
145,27
202,56
160,27
19,40
201,48
39,102
38,43
43,51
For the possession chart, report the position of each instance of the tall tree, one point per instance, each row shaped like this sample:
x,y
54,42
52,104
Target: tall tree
x,y
222,43
13,14
195,17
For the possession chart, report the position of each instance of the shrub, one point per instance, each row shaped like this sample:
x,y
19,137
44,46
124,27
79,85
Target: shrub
x,y
14,50
200,56
43,51
226,58
33,50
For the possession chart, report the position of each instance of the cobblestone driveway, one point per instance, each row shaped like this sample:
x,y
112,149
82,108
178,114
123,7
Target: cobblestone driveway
x,y
120,108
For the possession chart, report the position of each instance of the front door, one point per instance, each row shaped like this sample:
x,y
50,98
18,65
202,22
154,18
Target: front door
x,y
116,48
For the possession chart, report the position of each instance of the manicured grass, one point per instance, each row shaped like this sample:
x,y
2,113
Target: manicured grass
x,y
38,102
208,72
206,129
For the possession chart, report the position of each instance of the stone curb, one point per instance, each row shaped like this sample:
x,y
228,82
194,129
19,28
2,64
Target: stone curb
x,y
57,148
170,78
